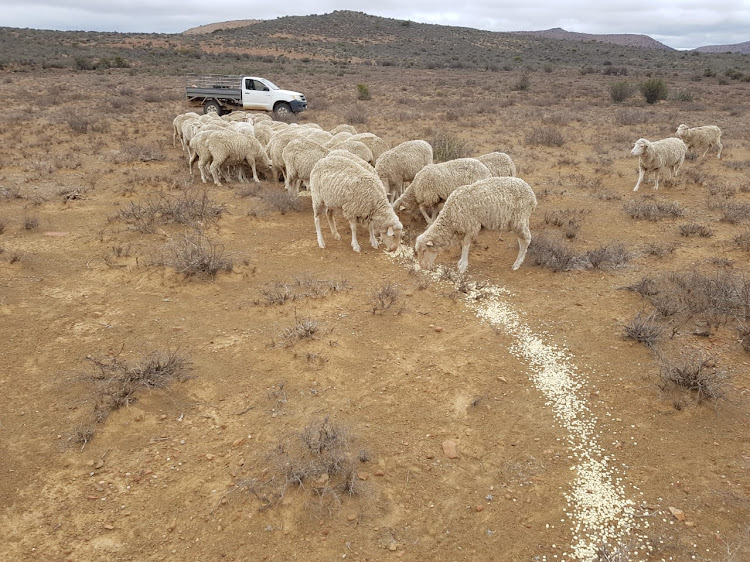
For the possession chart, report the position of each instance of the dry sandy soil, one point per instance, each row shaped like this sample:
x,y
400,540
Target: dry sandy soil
x,y
207,466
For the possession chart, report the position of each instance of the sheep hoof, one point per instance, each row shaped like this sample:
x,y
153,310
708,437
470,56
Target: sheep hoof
x,y
356,248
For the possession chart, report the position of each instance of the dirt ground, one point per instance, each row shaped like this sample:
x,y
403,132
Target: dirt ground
x,y
198,469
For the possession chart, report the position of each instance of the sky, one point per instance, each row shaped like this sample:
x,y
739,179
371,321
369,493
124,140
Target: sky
x,y
681,24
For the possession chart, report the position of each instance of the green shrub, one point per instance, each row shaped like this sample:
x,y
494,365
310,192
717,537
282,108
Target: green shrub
x,y
363,92
620,91
653,90
683,95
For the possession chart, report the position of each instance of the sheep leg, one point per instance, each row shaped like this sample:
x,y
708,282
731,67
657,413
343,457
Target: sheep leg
x,y
463,263
524,239
720,147
214,169
656,180
425,215
316,216
202,167
332,224
373,240
641,173
353,226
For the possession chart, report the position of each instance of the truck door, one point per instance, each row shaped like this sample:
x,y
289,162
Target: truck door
x,y
255,95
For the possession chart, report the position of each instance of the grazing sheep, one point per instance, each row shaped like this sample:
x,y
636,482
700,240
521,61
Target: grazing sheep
x,y
275,149
244,127
338,182
256,118
177,127
354,158
401,163
356,147
316,135
698,137
435,182
377,145
337,138
343,128
499,163
300,156
495,203
657,156
228,148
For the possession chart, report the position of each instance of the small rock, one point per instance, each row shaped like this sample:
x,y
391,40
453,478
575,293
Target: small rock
x,y
351,516
438,329
677,513
99,463
689,523
363,475
237,442
449,449
210,457
109,527
392,547
479,508
379,473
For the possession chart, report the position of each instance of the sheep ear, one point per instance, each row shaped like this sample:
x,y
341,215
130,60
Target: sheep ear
x,y
429,243
389,232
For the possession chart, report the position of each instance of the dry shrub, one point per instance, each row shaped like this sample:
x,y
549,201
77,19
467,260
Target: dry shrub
x,y
305,287
644,329
609,256
643,209
321,457
190,207
385,297
118,381
194,254
303,328
545,136
734,212
546,252
694,371
449,147
694,229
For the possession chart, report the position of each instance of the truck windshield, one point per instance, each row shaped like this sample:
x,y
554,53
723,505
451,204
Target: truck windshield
x,y
270,84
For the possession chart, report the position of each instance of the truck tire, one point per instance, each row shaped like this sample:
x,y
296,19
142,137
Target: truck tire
x,y
212,107
282,109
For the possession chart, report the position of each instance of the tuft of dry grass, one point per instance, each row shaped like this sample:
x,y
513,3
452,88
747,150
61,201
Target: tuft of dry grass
x,y
694,371
644,329
385,297
194,254
643,209
303,328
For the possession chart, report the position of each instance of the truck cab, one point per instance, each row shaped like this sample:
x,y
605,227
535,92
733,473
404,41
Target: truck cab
x,y
261,93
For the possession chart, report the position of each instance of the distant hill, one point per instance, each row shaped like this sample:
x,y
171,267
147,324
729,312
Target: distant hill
x,y
211,27
626,39
742,48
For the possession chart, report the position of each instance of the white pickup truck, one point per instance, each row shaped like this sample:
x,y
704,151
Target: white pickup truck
x,y
224,93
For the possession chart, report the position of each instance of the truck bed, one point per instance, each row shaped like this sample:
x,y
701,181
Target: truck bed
x,y
218,86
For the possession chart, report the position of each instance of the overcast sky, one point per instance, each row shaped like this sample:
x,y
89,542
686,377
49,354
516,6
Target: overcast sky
x,y
682,24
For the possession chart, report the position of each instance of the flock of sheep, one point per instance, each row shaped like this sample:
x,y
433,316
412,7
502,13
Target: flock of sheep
x,y
359,175
670,153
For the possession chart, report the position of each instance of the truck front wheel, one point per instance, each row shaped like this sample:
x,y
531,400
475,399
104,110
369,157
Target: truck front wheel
x,y
212,107
282,109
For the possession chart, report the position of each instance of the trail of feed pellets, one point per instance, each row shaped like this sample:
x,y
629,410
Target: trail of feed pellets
x,y
600,514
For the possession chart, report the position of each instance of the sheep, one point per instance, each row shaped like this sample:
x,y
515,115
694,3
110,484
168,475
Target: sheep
x,y
658,155
354,158
177,126
494,203
356,147
316,135
230,147
499,163
244,127
256,118
343,128
401,163
275,149
338,182
708,136
377,145
341,136
300,156
435,182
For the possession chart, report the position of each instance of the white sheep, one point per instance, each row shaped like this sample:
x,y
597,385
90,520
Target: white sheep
x,y
657,156
377,145
338,182
495,203
177,126
228,148
356,147
435,182
698,137
343,128
341,136
401,163
499,163
275,149
300,156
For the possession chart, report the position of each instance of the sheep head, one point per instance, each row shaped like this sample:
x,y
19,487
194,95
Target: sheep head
x,y
641,145
426,252
390,235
